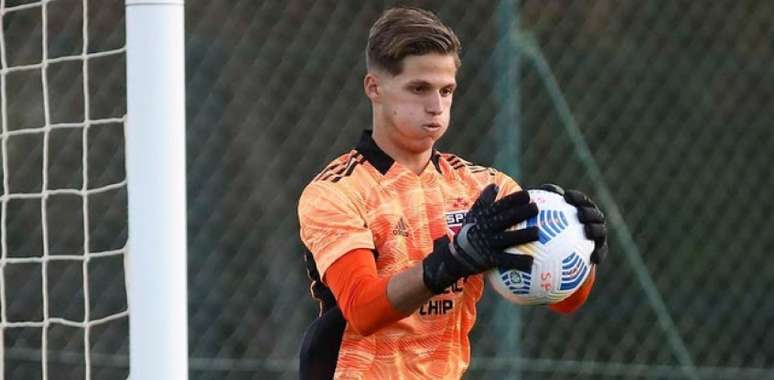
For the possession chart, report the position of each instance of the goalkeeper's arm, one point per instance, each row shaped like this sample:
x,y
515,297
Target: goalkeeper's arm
x,y
369,302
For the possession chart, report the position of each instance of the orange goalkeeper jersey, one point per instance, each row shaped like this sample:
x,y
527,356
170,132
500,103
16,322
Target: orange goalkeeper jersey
x,y
364,199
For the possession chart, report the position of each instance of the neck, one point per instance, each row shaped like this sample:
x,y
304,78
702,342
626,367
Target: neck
x,y
414,161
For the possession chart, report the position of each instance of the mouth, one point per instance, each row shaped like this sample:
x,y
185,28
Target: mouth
x,y
432,126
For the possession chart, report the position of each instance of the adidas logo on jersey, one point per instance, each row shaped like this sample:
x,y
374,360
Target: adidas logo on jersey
x,y
401,229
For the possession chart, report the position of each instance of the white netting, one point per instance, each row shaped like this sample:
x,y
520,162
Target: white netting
x,y
40,135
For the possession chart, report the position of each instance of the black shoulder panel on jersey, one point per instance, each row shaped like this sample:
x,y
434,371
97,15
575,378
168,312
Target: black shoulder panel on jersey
x,y
458,163
353,162
320,347
328,171
478,169
336,173
322,339
320,292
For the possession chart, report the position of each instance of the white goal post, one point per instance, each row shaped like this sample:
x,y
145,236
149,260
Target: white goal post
x,y
155,160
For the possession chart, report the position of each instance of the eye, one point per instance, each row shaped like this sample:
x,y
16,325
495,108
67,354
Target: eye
x,y
418,89
448,91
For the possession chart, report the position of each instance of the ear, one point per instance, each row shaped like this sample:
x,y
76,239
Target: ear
x,y
371,83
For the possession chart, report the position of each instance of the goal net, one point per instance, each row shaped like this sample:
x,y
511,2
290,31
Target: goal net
x,y
62,295
64,222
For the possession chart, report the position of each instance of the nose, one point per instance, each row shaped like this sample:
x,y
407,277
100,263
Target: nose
x,y
434,104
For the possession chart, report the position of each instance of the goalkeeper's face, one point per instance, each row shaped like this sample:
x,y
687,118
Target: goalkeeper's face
x,y
413,108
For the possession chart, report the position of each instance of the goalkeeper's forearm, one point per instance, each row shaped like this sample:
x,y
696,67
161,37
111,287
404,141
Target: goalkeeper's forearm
x,y
369,302
406,291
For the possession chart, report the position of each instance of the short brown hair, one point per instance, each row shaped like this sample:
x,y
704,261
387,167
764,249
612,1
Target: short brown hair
x,y
404,31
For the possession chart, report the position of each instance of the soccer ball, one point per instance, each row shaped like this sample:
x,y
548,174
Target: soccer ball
x,y
560,255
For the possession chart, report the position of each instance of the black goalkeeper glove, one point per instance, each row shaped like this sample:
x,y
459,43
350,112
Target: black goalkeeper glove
x,y
480,244
590,215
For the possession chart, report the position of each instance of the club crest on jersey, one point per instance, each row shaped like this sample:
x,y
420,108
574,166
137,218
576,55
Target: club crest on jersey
x,y
454,220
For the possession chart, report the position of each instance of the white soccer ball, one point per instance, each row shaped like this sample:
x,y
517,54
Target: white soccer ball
x,y
561,256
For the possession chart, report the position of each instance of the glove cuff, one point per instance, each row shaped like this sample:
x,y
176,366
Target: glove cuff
x,y
438,269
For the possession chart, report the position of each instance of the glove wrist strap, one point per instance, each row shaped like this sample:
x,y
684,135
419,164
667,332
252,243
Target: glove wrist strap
x,y
439,269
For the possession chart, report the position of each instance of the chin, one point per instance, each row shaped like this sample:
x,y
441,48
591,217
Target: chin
x,y
419,140
422,145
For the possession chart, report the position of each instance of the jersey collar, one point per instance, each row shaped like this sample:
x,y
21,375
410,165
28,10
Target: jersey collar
x,y
379,159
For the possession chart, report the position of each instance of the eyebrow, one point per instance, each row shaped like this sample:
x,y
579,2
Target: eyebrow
x,y
421,82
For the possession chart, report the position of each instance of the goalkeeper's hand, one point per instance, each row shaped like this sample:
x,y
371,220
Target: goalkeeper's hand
x,y
590,215
480,244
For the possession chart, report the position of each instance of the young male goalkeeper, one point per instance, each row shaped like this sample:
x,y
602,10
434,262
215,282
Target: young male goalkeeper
x,y
398,233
